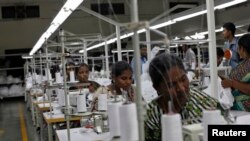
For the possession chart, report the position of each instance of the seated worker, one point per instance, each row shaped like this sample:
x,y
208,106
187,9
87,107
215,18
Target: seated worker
x,y
239,77
220,55
121,75
169,79
83,77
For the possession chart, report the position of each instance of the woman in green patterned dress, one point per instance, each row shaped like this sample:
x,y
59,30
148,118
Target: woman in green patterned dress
x,y
239,78
171,83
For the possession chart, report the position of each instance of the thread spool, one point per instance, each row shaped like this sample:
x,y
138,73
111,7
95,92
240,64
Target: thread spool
x,y
171,127
210,117
48,74
206,81
128,122
58,77
113,119
81,103
102,102
72,76
61,97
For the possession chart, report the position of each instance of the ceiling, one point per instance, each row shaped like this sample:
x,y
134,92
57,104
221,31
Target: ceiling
x,y
23,33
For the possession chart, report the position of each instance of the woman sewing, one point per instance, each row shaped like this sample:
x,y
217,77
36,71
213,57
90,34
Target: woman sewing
x,y
83,78
121,86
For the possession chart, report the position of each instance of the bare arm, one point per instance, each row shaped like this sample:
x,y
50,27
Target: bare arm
x,y
241,86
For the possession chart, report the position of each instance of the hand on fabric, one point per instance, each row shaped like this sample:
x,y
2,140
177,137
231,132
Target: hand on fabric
x,y
226,83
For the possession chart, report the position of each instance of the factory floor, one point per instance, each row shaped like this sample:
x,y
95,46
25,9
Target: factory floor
x,y
15,121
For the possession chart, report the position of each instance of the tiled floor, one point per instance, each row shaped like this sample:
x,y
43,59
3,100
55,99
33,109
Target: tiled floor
x,y
11,110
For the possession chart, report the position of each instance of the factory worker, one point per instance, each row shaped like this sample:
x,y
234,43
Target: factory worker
x,y
189,57
121,86
231,43
172,85
83,77
143,59
239,77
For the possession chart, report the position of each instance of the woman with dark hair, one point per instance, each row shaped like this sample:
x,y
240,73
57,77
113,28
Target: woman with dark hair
x,y
169,79
121,75
239,78
83,77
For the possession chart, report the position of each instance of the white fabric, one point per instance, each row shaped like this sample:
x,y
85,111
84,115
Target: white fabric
x,y
103,81
190,59
41,98
148,92
226,98
145,66
190,75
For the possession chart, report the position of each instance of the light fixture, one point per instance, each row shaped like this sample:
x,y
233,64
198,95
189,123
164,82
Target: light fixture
x,y
27,57
228,4
108,42
220,6
187,38
116,51
176,38
72,4
63,14
217,30
190,16
163,24
173,46
197,36
239,35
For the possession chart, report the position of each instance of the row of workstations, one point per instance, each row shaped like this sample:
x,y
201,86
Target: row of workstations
x,y
48,106
52,105
48,115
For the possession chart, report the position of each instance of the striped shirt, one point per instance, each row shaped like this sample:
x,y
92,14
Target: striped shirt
x,y
191,113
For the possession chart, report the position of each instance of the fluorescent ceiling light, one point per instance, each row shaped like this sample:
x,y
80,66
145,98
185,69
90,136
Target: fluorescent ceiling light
x,y
176,38
63,14
221,6
198,36
218,30
228,4
72,4
239,35
187,38
108,42
116,51
190,16
27,57
163,24
141,31
173,46
61,17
